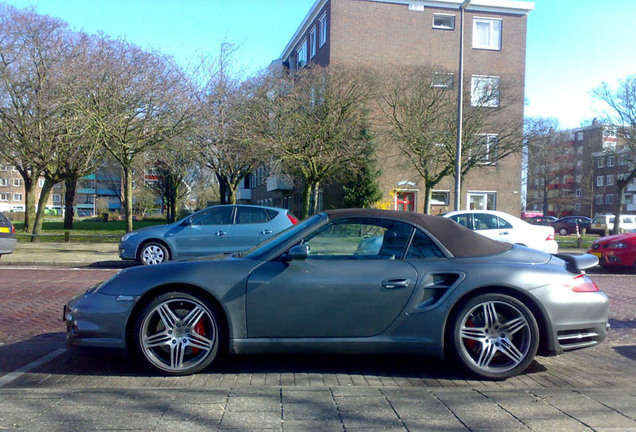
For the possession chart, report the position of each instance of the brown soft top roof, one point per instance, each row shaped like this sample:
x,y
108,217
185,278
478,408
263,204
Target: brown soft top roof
x,y
460,241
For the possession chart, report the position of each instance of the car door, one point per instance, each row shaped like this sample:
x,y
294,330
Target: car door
x,y
496,228
340,290
206,233
251,226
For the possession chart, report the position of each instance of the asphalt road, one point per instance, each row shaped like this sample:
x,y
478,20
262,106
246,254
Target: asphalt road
x,y
590,389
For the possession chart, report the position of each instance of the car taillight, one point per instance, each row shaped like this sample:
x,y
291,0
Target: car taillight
x,y
12,229
582,283
292,218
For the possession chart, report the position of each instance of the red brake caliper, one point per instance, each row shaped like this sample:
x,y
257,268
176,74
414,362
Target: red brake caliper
x,y
199,328
470,343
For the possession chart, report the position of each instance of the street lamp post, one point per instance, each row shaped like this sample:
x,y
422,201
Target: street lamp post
x,y
460,109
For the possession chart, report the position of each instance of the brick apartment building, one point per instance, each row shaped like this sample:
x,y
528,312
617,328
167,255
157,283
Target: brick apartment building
x,y
385,34
582,176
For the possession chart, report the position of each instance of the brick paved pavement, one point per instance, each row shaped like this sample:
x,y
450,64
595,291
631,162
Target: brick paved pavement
x,y
591,389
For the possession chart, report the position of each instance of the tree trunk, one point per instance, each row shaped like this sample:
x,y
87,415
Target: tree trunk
x,y
231,193
128,198
314,198
69,201
427,200
620,187
29,204
545,201
306,201
39,215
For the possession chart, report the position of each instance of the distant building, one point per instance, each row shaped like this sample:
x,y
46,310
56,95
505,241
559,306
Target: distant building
x,y
391,33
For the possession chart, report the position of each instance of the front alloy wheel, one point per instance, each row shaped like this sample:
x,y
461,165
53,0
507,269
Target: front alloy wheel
x,y
177,334
495,336
153,253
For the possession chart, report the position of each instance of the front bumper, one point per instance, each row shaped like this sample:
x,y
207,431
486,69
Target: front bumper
x,y
128,251
97,321
614,258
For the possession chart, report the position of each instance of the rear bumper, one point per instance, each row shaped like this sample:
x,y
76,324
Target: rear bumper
x,y
7,245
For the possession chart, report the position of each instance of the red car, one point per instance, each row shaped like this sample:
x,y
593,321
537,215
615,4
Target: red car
x,y
616,250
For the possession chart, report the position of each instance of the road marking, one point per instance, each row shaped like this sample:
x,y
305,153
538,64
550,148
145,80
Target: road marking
x,y
12,376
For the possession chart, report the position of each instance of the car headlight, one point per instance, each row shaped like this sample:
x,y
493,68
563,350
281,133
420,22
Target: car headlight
x,y
618,245
128,235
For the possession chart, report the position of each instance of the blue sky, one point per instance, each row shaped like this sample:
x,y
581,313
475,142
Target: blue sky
x,y
573,45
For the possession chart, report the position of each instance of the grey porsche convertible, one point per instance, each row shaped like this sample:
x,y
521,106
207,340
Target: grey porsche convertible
x,y
351,281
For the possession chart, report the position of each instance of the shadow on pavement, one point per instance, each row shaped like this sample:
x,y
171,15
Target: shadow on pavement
x,y
113,264
15,355
627,351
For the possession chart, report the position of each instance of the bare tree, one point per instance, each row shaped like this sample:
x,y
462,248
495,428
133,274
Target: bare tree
x,y
421,109
141,99
540,137
621,112
234,113
33,50
320,126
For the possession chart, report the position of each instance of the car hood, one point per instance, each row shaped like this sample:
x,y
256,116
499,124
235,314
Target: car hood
x,y
615,237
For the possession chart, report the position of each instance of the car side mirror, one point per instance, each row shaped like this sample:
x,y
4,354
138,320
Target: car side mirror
x,y
186,222
298,252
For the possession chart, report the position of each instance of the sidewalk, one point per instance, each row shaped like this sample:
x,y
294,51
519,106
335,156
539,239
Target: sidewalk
x,y
65,255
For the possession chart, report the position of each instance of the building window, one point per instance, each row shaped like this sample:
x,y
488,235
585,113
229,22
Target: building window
x,y
599,181
17,182
579,164
578,193
577,207
579,178
611,161
441,198
485,91
444,22
313,42
487,33
17,197
4,182
579,136
442,80
301,55
609,180
627,198
609,199
4,167
322,26
57,186
41,183
600,162
4,196
598,199
579,150
405,201
485,151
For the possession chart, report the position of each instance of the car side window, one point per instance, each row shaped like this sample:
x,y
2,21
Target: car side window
x,y
250,215
462,219
359,238
423,247
213,216
503,224
485,221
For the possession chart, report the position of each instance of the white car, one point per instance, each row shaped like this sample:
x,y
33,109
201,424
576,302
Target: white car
x,y
507,228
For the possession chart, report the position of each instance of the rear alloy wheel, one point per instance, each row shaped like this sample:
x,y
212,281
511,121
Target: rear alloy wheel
x,y
563,232
153,253
177,334
495,336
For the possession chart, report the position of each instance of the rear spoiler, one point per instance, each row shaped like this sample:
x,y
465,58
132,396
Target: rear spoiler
x,y
579,262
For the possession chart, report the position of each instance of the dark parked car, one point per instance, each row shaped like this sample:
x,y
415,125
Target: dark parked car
x,y
572,225
213,230
541,220
7,236
432,287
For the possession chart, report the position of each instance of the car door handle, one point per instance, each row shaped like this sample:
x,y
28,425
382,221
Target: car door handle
x,y
266,232
395,283
221,233
504,233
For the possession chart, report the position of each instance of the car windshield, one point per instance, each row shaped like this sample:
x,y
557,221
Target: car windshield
x,y
264,248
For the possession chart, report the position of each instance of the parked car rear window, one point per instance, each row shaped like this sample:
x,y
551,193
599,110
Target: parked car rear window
x,y
4,221
249,215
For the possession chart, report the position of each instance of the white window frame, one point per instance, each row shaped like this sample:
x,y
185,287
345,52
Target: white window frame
x,y
17,196
301,55
439,26
441,203
600,162
443,80
491,142
480,84
17,182
4,196
579,178
313,42
494,37
4,182
598,199
322,29
609,199
600,181
577,207
57,198
611,161
609,181
578,193
41,183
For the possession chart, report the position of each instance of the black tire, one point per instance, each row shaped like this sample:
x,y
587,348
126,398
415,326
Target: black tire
x,y
153,253
494,336
177,334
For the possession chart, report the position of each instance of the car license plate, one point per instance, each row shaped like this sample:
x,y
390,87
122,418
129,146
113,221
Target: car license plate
x,y
596,254
4,230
